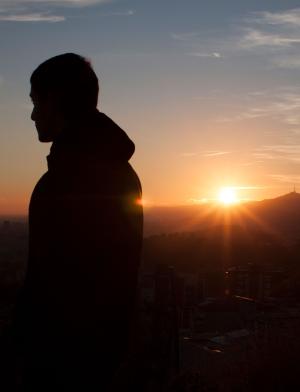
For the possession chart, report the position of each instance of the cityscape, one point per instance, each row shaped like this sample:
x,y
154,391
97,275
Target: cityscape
x,y
202,321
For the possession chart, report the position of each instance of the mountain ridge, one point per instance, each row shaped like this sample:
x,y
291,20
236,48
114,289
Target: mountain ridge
x,y
280,214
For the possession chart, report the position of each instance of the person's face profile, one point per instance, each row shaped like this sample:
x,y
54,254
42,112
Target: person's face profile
x,y
45,116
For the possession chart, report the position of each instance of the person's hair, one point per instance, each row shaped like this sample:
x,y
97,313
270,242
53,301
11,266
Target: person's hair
x,y
70,78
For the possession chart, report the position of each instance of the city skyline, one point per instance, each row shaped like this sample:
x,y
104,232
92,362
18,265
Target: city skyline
x,y
209,93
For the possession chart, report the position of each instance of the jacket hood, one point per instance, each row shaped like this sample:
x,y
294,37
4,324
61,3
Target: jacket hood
x,y
96,136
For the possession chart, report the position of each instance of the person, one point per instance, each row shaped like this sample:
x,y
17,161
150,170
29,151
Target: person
x,y
74,316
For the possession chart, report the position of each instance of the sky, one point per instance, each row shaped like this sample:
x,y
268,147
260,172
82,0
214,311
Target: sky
x,y
208,91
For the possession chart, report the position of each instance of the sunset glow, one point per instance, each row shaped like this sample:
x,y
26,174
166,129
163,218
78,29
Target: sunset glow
x,y
219,121
227,196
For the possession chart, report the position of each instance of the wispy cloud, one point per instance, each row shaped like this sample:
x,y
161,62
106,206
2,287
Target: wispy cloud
x,y
195,44
34,17
77,3
265,156
283,152
274,29
256,38
281,105
206,154
40,10
275,36
288,18
215,153
285,148
214,55
119,13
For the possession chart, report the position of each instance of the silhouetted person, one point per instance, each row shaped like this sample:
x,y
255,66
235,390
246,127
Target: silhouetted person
x,y
85,232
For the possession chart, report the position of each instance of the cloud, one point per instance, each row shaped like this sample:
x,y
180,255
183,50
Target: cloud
x,y
205,153
285,152
285,148
256,38
265,156
280,105
78,3
214,55
215,153
275,36
120,13
34,10
195,44
34,17
289,18
276,30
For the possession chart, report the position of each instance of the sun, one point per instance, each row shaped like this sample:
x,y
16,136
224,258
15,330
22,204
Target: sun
x,y
227,196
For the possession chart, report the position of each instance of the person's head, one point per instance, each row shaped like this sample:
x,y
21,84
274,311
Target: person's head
x,y
63,88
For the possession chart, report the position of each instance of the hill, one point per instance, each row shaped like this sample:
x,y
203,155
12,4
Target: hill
x,y
278,217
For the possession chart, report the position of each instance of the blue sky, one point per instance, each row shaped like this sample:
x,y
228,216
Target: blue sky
x,y
209,91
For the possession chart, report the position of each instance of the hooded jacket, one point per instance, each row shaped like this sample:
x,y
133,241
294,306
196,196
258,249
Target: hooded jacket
x,y
85,237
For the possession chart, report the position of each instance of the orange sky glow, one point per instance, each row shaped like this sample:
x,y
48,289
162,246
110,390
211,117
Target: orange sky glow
x,y
209,102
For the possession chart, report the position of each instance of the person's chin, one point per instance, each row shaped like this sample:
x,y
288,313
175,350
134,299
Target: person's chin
x,y
44,138
43,135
